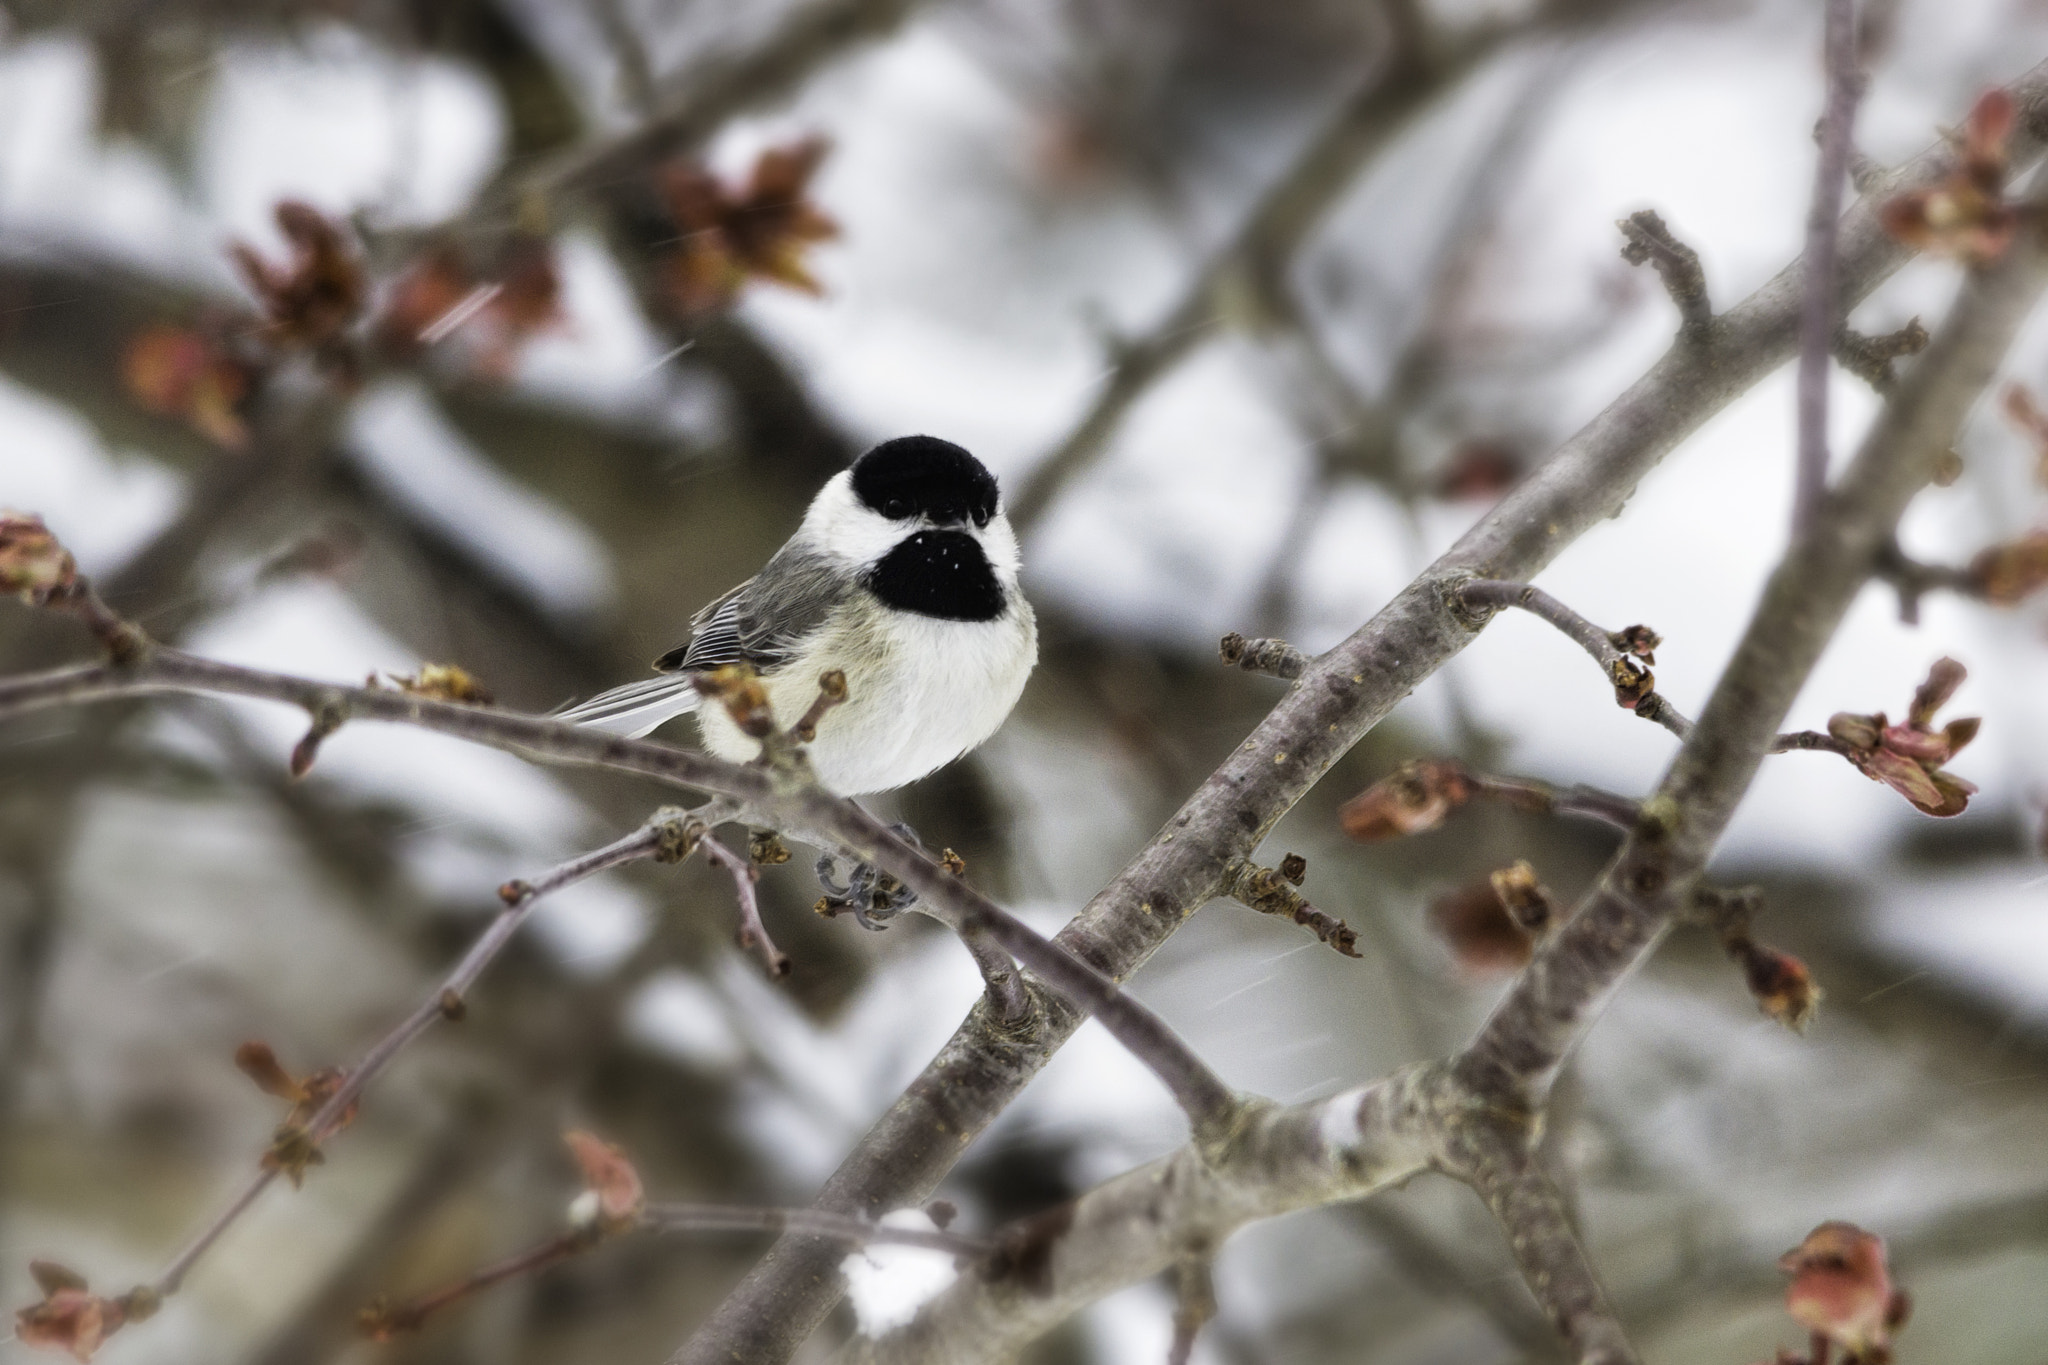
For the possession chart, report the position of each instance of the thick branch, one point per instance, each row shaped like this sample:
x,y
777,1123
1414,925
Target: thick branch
x,y
1153,1218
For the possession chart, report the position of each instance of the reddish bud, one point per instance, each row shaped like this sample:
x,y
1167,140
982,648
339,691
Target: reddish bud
x,y
2032,422
1478,470
1908,758
730,234
1965,215
259,1063
34,566
1413,798
1842,1290
2008,574
1632,682
313,297
1480,932
609,1175
738,688
69,1318
1638,640
1783,987
178,372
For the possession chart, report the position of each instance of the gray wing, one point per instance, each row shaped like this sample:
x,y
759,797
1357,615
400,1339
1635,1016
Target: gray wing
x,y
763,619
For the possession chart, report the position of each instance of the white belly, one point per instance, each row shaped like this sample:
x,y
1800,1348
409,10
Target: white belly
x,y
920,693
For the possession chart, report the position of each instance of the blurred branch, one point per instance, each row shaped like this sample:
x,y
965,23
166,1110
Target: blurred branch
x,y
1821,309
1343,696
698,101
297,1145
1406,79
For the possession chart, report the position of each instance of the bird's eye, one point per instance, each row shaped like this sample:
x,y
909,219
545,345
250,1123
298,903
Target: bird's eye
x,y
895,509
980,516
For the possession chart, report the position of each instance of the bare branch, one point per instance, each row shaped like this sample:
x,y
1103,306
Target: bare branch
x,y
1676,264
1820,312
753,934
1153,1218
670,1217
1615,651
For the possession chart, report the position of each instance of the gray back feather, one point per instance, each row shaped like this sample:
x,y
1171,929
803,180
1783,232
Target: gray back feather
x,y
763,620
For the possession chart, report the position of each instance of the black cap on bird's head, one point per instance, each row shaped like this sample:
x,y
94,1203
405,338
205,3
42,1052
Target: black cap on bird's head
x,y
923,476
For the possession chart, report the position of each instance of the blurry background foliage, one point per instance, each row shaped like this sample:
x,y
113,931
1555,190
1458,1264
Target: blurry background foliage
x,y
1252,307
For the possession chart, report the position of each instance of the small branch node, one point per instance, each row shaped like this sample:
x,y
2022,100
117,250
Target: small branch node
x,y
1677,265
831,693
766,849
1274,658
515,891
1267,891
329,714
1870,358
453,1007
677,833
1294,868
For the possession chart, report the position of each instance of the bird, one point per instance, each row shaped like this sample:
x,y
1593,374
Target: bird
x,y
904,577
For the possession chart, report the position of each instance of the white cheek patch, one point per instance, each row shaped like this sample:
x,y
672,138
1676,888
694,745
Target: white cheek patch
x,y
839,523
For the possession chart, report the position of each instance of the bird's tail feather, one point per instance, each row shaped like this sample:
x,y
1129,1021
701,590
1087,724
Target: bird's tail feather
x,y
636,708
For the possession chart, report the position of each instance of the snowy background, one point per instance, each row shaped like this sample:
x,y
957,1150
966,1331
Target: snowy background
x,y
1018,184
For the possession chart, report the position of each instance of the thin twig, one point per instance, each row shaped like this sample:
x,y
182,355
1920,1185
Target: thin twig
x,y
1818,310
753,934
1676,264
1269,892
1615,651
1527,793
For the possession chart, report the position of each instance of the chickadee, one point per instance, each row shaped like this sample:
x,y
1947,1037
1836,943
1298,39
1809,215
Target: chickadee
x,y
904,576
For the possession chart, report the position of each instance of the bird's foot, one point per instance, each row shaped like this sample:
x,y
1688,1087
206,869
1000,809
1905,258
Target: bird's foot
x,y
870,895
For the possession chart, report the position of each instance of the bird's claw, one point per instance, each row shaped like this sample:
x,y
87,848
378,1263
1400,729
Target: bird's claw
x,y
870,895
